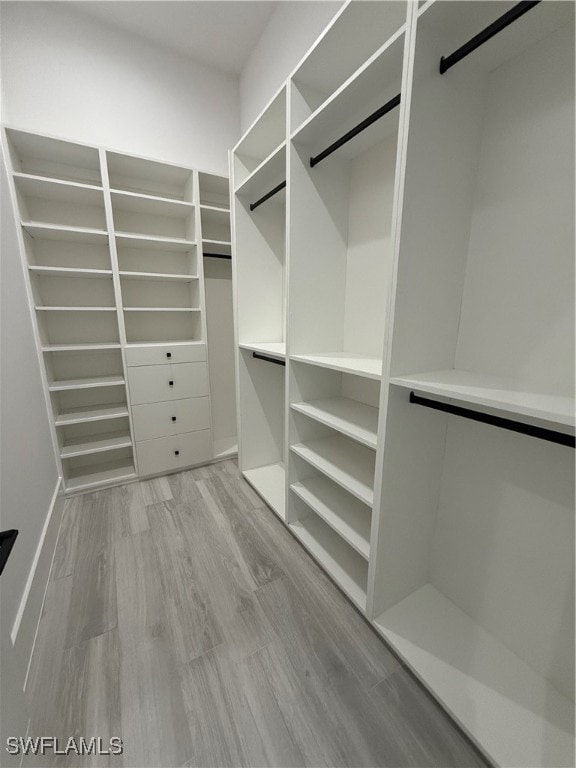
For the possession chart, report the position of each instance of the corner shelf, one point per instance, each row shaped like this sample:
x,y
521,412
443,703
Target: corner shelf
x,y
350,417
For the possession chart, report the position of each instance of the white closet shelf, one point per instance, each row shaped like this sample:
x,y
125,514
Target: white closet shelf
x,y
275,349
87,444
80,347
380,74
270,481
136,202
347,362
56,189
343,564
215,209
348,464
210,241
42,308
87,383
348,517
270,172
90,413
70,272
161,276
497,394
517,716
179,342
225,447
155,242
350,417
81,478
162,309
58,232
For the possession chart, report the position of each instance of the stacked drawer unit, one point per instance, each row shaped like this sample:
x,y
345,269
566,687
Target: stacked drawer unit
x,y
170,406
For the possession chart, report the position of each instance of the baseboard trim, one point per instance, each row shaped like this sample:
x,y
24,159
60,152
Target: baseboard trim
x,y
27,619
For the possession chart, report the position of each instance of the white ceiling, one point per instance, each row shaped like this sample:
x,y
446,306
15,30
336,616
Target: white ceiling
x,y
218,33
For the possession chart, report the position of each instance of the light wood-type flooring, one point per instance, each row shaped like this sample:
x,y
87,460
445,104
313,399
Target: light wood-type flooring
x,y
183,617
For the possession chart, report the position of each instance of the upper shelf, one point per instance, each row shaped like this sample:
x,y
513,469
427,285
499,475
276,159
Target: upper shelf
x,y
136,174
135,202
377,82
53,158
214,190
493,393
276,349
44,231
347,362
334,58
59,191
154,242
267,175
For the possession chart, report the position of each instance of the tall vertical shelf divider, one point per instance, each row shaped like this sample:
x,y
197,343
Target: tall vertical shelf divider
x,y
417,435
115,279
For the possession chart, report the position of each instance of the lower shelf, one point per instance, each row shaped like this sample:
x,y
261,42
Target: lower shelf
x,y
82,446
82,478
516,716
348,569
269,481
225,447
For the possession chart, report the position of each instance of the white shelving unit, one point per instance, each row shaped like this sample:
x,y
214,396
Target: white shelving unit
x,y
112,248
430,251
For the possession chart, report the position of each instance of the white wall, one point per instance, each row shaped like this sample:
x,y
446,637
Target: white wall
x,y
69,75
292,29
28,472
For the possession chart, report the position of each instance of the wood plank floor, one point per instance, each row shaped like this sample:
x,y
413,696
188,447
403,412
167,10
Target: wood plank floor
x,y
183,617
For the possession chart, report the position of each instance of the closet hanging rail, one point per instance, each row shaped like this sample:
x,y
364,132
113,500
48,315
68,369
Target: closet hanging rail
x,y
258,356
383,110
492,29
268,195
497,421
217,256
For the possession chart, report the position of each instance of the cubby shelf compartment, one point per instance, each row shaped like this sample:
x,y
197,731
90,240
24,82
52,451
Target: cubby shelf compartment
x,y
87,414
45,231
87,444
347,463
70,272
374,84
348,569
87,383
493,393
92,475
160,276
275,349
270,481
149,177
347,362
518,717
136,240
262,139
53,158
350,518
350,417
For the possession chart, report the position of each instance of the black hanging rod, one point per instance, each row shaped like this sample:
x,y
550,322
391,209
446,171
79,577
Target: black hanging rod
x,y
267,196
258,356
492,29
217,256
497,421
7,539
384,109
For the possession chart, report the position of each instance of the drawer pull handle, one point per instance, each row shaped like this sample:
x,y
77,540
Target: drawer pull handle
x,y
173,418
168,354
176,453
171,382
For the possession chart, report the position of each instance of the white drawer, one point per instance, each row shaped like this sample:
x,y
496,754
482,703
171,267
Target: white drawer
x,y
165,453
170,418
159,354
156,383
